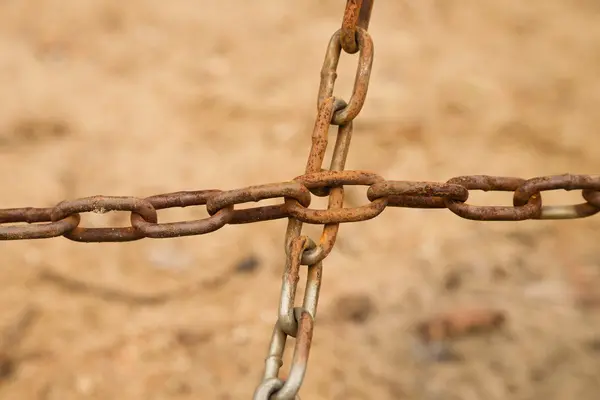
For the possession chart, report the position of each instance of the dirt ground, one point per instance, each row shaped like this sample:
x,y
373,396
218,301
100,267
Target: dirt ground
x,y
140,98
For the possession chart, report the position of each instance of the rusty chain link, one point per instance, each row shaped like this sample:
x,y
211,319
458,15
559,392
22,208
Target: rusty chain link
x,y
298,321
357,14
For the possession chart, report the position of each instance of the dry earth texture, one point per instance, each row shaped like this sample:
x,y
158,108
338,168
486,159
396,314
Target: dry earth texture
x,y
138,98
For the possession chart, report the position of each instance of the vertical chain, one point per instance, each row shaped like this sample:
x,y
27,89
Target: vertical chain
x,y
298,322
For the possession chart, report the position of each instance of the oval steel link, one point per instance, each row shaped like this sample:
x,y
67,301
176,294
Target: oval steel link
x,y
267,388
32,215
287,320
416,194
291,387
534,187
530,210
341,215
183,228
229,198
102,204
361,81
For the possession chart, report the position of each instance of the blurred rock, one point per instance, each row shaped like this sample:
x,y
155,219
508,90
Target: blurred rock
x,y
356,308
247,264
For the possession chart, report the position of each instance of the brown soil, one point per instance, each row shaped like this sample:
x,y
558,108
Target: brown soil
x,y
139,98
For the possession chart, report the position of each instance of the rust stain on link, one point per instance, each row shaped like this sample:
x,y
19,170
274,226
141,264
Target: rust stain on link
x,y
287,319
38,231
534,187
338,215
320,138
349,22
364,18
181,199
257,193
329,233
291,387
416,202
26,214
339,178
424,190
260,214
361,80
103,204
357,13
531,209
183,228
343,215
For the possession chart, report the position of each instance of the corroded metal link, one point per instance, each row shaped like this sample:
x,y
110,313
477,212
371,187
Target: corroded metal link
x,y
183,228
403,191
287,321
361,81
103,204
341,215
530,210
291,387
535,186
320,139
357,13
26,214
34,215
416,202
257,193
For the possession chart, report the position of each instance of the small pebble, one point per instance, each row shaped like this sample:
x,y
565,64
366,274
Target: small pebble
x,y
247,264
354,307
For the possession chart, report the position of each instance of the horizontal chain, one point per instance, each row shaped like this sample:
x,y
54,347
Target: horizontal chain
x,y
64,218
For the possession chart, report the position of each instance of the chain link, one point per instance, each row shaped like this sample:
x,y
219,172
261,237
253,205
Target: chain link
x,y
357,14
298,322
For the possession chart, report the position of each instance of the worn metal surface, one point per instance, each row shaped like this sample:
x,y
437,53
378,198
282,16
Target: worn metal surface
x,y
357,14
361,80
295,198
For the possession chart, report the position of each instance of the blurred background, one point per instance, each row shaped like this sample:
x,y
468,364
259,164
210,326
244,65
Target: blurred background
x,y
145,97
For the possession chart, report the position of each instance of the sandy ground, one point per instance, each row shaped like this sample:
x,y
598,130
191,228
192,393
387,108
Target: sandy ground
x,y
139,98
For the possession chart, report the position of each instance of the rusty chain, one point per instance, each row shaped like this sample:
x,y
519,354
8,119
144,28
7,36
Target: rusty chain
x,y
64,218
